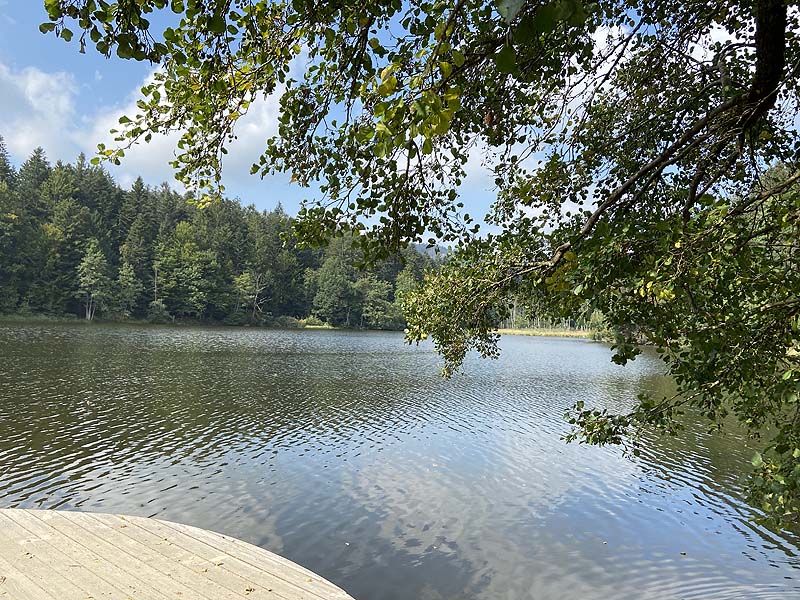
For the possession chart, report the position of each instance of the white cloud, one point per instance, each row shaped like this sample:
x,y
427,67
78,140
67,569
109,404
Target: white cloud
x,y
43,109
479,168
151,160
40,109
717,35
253,130
37,109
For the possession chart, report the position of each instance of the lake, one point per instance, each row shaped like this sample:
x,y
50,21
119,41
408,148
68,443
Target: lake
x,y
347,453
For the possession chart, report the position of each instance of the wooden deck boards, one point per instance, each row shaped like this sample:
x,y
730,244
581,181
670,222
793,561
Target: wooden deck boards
x,y
63,555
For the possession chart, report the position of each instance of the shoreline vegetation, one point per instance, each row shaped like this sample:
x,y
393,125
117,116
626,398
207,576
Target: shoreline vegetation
x,y
75,243
280,323
75,246
546,332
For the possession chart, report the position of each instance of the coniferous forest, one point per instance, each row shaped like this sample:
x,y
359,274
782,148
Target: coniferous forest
x,y
74,243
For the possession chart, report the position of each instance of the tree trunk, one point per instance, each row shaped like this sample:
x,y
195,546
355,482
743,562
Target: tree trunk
x,y
770,40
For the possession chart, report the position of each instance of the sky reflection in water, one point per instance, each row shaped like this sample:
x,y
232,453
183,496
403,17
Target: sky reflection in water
x,y
348,454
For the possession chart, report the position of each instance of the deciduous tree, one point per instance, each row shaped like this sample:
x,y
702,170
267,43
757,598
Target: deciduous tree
x,y
94,283
629,141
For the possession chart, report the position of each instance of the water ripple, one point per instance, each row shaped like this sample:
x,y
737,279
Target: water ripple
x,y
347,453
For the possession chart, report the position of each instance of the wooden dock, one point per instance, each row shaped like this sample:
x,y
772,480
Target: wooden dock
x,y
63,555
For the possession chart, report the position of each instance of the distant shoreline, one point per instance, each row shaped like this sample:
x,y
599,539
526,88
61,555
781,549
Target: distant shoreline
x,y
55,319
565,333
294,324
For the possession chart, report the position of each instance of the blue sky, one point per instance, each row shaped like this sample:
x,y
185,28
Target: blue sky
x,y
53,96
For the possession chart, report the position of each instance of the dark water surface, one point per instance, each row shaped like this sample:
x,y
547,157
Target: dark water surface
x,y
346,453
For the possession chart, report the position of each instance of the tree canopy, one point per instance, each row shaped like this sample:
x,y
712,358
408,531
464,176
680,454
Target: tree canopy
x,y
72,242
644,154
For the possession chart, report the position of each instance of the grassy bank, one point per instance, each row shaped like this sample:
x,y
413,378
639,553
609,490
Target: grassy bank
x,y
282,322
567,333
38,318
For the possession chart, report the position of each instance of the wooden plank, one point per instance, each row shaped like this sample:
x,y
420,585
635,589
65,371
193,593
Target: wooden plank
x,y
264,577
82,549
61,555
194,571
244,550
91,575
16,584
37,558
127,567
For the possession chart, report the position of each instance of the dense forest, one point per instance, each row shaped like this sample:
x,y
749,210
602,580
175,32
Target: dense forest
x,y
72,242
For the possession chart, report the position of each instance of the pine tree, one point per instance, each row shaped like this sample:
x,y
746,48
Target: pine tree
x,y
7,173
32,175
134,202
12,240
129,289
64,240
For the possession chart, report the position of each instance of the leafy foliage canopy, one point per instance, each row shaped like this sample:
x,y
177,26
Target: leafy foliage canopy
x,y
644,154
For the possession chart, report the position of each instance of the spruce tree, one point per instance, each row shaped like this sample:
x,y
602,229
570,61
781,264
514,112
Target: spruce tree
x,y
8,174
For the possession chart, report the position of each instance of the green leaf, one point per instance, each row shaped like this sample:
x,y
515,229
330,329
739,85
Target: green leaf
x,y
506,60
388,86
66,34
216,24
578,16
446,68
757,460
509,9
526,31
47,27
549,16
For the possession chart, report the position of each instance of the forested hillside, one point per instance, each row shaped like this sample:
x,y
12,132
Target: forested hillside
x,y
73,242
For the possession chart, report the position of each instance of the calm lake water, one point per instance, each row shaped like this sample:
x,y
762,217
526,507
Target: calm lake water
x,y
347,453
